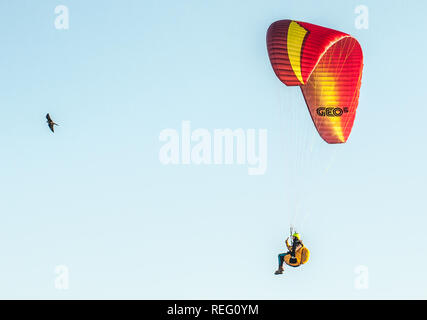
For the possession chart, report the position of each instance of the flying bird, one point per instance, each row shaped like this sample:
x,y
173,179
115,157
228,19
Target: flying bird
x,y
50,123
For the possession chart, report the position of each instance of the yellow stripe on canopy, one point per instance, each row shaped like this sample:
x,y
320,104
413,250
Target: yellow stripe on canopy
x,y
296,35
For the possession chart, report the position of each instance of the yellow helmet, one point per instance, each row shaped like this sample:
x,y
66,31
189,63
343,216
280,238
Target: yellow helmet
x,y
296,235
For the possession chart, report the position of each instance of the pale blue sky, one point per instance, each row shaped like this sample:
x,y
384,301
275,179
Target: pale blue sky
x,y
95,197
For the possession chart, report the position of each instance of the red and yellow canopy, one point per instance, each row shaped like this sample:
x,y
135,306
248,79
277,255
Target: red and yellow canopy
x,y
327,65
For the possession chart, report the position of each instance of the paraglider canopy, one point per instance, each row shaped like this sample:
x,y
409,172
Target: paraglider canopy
x,y
327,65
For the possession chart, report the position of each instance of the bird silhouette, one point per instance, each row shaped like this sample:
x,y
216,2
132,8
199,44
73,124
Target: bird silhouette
x,y
50,123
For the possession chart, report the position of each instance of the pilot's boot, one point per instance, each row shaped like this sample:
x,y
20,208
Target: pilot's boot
x,y
279,271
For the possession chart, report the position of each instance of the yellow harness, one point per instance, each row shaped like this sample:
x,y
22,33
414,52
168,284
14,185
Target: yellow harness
x,y
301,256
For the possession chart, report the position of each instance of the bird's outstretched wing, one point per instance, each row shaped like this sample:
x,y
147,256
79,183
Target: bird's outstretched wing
x,y
50,123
